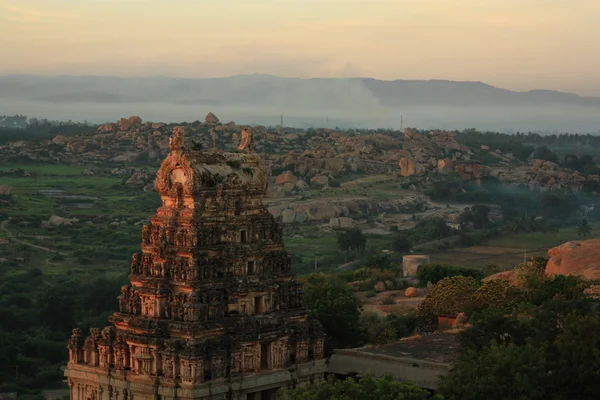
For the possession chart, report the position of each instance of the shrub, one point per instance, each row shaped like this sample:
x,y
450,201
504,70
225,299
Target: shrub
x,y
450,296
436,272
495,294
334,183
388,300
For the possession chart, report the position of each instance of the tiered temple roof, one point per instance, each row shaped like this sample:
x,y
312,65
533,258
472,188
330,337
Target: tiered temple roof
x,y
212,296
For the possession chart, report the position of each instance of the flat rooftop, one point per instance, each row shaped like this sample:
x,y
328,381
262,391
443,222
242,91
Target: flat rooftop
x,y
439,347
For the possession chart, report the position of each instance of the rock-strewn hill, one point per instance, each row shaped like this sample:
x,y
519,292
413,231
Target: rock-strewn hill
x,y
579,257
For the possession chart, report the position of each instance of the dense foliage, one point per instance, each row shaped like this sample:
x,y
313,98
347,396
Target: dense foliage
x,y
366,388
332,302
351,240
449,296
535,343
37,314
19,128
436,272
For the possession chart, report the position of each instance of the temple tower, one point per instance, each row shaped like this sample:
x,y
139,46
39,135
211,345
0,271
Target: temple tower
x,y
212,310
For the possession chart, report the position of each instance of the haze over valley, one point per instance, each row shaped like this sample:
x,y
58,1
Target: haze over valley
x,y
320,102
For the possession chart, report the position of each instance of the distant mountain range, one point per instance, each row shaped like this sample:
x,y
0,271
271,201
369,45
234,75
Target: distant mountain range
x,y
280,93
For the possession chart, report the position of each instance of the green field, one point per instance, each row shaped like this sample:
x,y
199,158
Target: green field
x,y
509,250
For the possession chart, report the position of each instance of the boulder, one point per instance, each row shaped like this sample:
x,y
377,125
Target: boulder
x,y
511,276
211,118
319,180
334,165
107,128
55,220
60,140
274,211
460,321
127,157
124,124
579,257
135,121
301,216
410,292
138,178
301,185
407,166
592,292
288,216
286,177
445,165
379,286
346,223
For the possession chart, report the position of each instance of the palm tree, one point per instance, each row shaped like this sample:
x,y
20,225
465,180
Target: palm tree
x,y
584,228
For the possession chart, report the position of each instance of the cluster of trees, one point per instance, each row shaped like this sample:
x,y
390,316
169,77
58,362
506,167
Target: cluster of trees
x,y
335,305
366,388
436,272
505,141
534,345
351,240
531,341
37,314
13,128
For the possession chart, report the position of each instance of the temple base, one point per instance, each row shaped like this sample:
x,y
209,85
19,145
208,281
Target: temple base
x,y
94,383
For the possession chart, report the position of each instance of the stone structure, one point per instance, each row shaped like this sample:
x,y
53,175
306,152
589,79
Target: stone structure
x,y
411,263
212,310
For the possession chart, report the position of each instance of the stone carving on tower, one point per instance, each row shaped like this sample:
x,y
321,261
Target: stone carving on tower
x,y
212,307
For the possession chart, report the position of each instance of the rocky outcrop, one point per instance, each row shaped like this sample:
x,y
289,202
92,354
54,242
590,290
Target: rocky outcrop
x,y
211,118
511,276
436,151
445,165
342,223
469,171
579,257
319,180
542,175
287,177
124,124
135,121
56,221
139,178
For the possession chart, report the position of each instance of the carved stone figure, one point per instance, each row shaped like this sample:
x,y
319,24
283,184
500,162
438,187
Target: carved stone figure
x,y
177,139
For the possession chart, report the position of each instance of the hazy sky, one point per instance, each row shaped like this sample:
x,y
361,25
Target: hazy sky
x,y
516,44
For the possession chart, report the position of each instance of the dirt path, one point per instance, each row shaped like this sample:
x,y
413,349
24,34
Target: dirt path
x,y
10,237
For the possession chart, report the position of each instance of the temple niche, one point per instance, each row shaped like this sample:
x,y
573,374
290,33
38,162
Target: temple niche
x,y
212,309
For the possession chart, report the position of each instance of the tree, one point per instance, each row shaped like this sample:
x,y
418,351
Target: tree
x,y
367,388
584,228
540,351
351,240
497,373
436,272
544,153
333,303
478,215
401,243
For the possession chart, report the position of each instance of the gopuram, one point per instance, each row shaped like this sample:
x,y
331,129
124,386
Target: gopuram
x,y
212,310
